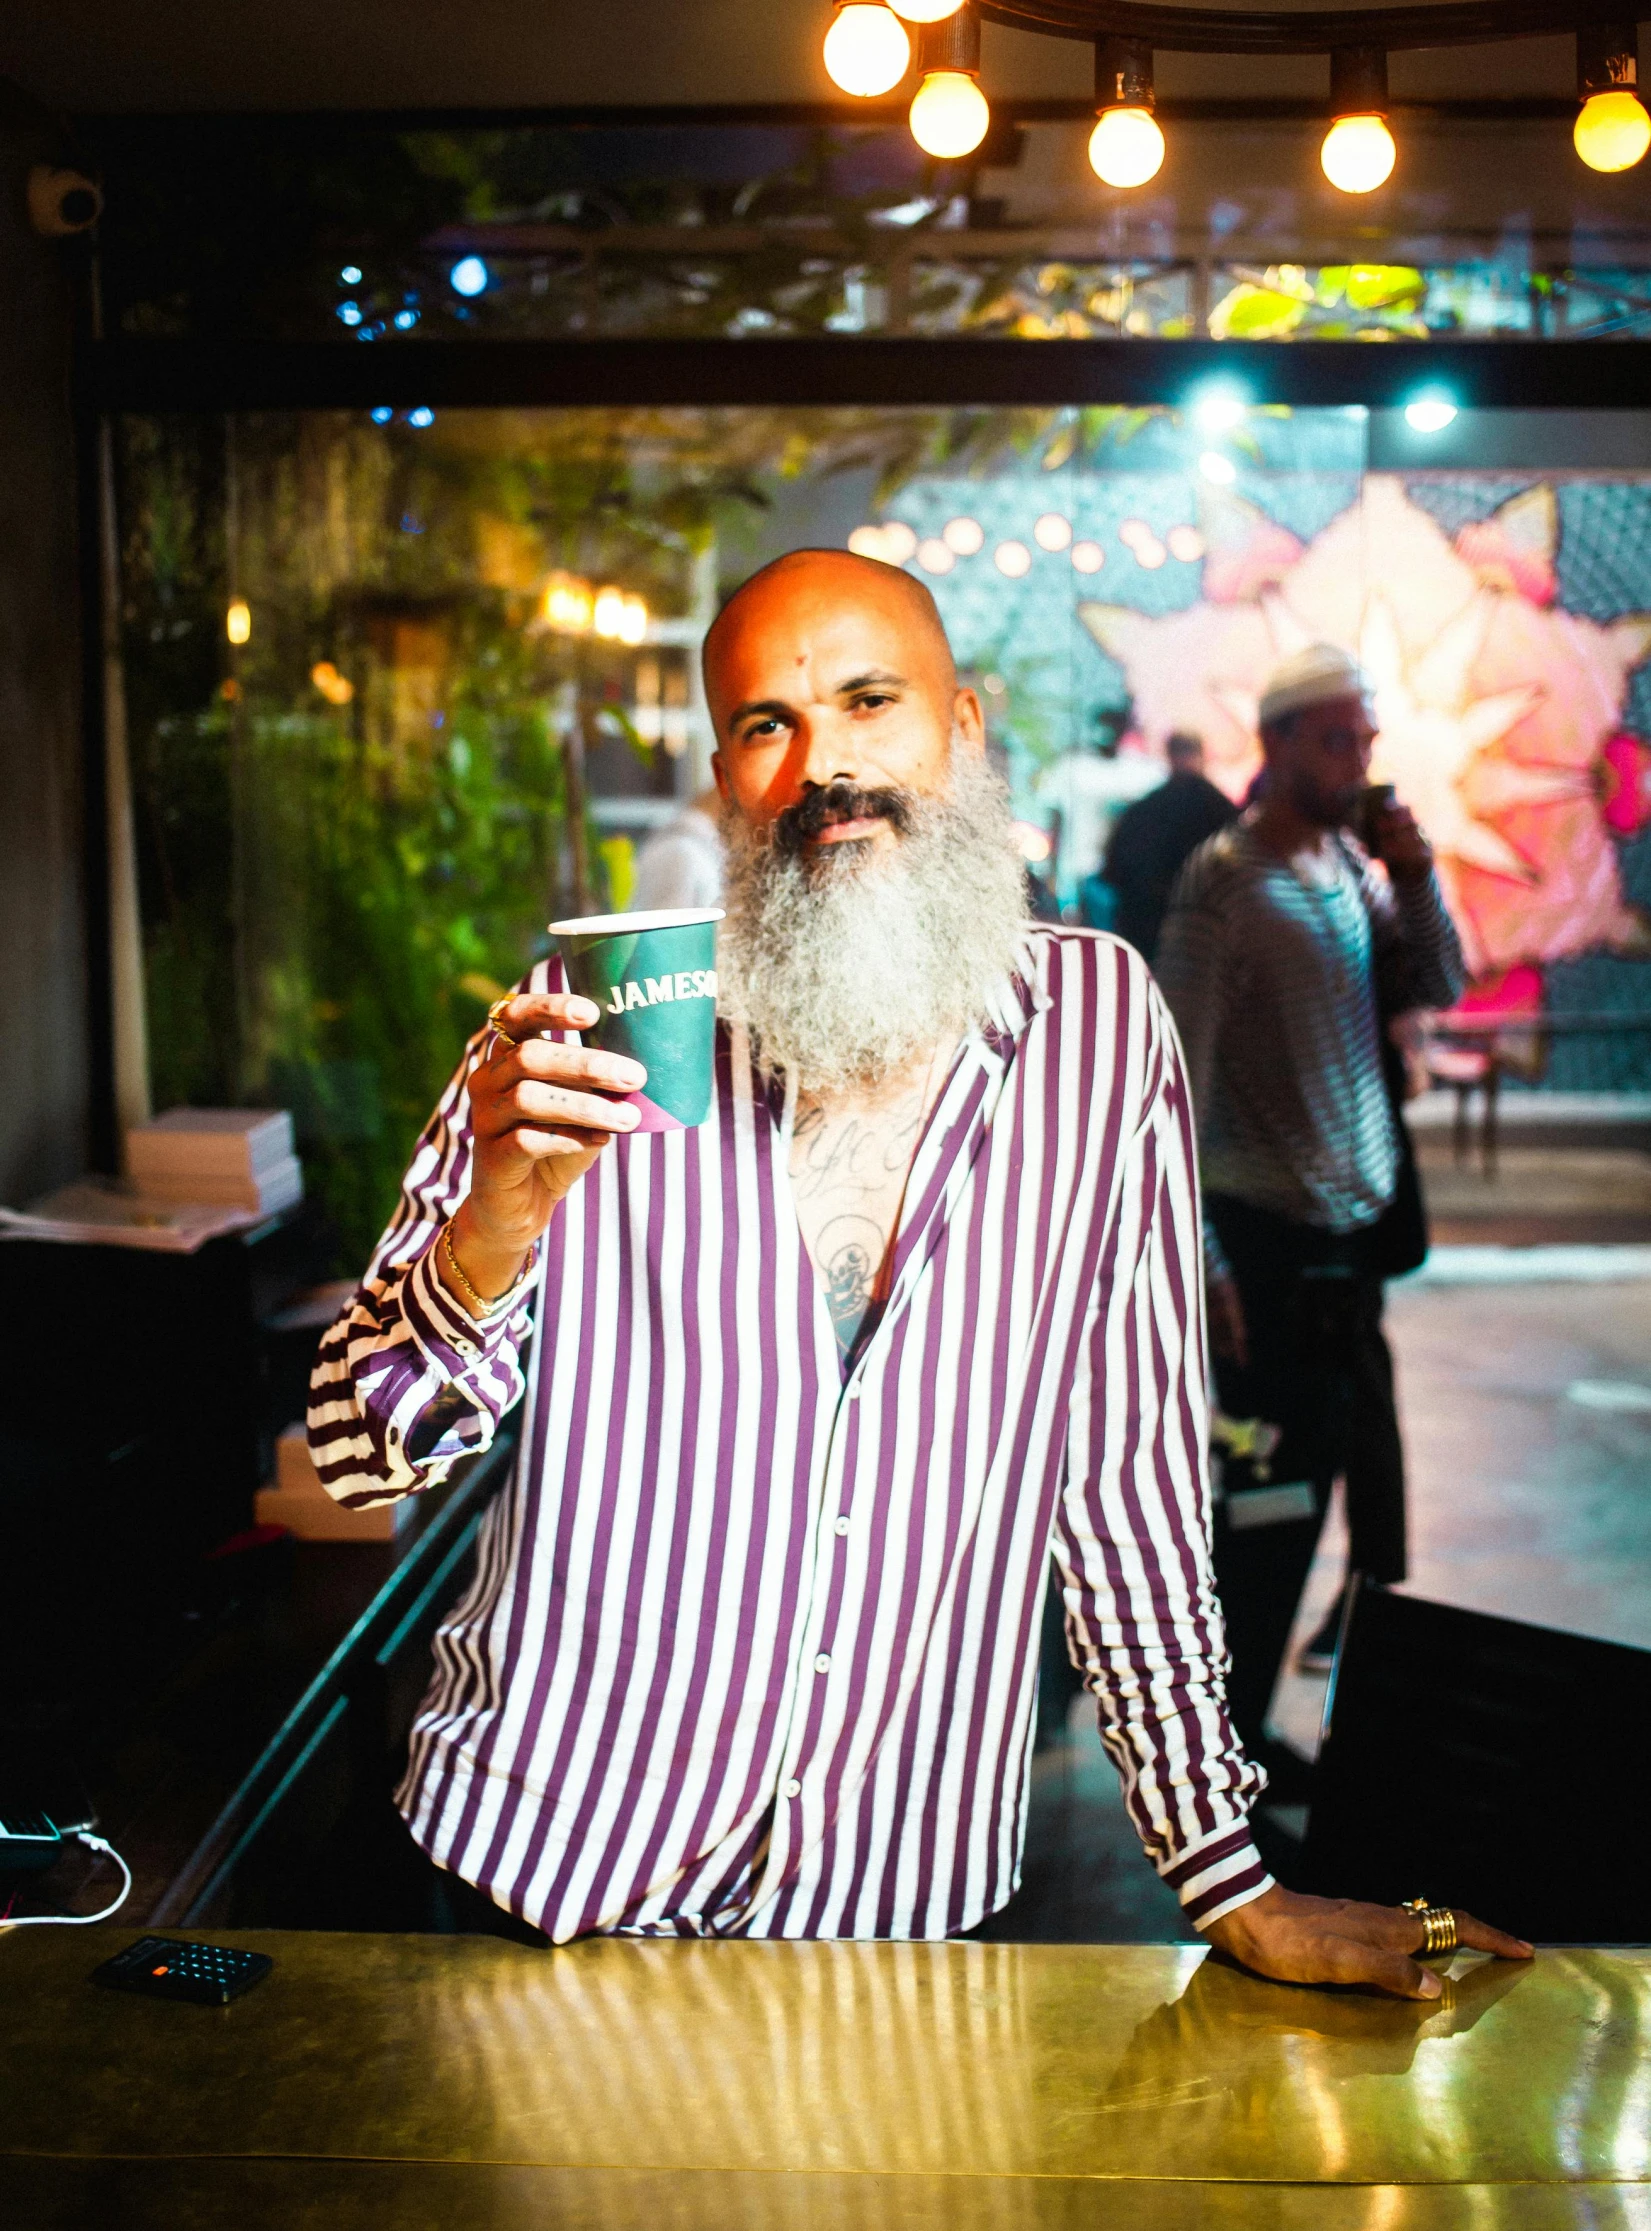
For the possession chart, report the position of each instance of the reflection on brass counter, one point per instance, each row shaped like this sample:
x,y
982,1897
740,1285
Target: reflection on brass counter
x,y
930,2082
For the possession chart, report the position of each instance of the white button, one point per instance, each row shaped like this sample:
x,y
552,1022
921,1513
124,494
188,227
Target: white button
x,y
792,1789
822,1663
841,1526
852,1390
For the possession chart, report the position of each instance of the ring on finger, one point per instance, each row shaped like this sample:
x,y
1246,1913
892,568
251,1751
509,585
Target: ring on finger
x,y
498,1029
1439,1932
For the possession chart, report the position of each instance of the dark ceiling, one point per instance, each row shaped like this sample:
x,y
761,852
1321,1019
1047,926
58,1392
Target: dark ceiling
x,y
170,55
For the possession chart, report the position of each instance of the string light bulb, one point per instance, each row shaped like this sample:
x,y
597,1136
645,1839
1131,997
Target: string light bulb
x,y
867,50
238,621
950,116
1612,129
1358,152
1126,148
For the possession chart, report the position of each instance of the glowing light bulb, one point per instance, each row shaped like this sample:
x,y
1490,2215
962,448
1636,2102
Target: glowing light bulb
x,y
925,11
1612,131
238,621
899,541
867,542
1219,409
949,116
1185,543
965,536
1430,414
935,556
1013,560
1088,557
866,50
1220,469
1126,148
468,276
608,618
633,620
1053,531
1358,154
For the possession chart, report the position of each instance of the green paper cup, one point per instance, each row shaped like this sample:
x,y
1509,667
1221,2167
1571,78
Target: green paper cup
x,y
654,976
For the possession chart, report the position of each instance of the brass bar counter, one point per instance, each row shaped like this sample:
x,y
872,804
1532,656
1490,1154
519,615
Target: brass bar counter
x,y
425,2082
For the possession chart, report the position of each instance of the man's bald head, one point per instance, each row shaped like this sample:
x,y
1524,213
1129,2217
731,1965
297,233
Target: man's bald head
x,y
802,576
828,671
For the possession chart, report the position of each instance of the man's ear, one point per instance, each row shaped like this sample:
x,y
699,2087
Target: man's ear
x,y
969,720
721,778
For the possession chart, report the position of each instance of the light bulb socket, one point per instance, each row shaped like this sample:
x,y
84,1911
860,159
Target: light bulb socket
x,y
1358,81
951,44
1607,58
1123,74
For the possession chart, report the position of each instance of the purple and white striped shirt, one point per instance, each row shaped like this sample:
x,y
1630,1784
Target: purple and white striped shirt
x,y
751,1648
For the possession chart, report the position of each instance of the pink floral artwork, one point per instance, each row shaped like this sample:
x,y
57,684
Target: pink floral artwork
x,y
1499,712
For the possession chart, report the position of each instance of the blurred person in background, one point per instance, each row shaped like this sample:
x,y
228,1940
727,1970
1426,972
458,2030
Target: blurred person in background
x,y
681,864
1284,956
1152,839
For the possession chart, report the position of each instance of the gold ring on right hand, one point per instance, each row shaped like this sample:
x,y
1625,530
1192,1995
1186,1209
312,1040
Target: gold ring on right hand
x,y
499,1031
1438,1925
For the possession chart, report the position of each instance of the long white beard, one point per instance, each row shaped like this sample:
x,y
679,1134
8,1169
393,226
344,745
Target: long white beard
x,y
845,969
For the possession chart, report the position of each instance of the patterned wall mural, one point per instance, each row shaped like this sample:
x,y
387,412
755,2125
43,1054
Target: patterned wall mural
x,y
1506,623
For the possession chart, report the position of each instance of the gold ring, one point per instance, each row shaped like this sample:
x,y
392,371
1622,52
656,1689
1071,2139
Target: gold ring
x,y
1438,1925
498,1027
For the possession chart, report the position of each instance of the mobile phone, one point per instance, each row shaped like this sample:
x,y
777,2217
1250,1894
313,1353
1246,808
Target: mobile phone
x,y
1374,801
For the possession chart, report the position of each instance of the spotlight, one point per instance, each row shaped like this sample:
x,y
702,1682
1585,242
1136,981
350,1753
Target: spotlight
x,y
1219,409
1358,152
1220,469
469,276
866,50
949,115
1126,147
1612,130
1430,413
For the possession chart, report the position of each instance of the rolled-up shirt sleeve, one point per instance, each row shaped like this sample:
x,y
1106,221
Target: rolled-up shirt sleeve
x,y
1132,1540
407,1381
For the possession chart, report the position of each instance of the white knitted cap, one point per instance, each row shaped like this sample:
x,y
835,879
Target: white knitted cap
x,y
1312,677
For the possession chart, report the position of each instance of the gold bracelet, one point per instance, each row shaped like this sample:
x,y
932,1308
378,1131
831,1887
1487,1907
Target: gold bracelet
x,y
483,1305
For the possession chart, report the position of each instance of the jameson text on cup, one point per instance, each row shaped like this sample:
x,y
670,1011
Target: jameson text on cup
x,y
654,978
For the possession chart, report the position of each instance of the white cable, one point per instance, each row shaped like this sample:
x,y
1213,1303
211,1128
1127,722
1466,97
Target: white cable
x,y
79,1920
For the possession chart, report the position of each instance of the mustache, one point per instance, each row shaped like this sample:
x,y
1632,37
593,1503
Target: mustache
x,y
803,823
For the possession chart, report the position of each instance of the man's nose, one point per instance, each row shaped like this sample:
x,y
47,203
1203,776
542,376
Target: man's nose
x,y
828,755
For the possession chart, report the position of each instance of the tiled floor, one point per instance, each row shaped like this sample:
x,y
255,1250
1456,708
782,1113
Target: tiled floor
x,y
1527,1416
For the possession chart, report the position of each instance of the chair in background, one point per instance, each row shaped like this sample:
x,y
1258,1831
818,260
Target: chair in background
x,y
1484,1763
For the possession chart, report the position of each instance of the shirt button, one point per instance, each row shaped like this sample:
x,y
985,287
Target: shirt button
x,y
822,1663
852,1390
792,1789
841,1526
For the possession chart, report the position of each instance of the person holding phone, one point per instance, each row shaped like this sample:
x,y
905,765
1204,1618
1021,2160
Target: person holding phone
x,y
1285,952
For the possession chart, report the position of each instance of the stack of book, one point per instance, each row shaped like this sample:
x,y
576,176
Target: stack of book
x,y
296,1500
240,1158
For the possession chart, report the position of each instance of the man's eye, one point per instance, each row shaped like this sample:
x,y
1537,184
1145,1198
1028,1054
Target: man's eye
x,y
761,728
872,701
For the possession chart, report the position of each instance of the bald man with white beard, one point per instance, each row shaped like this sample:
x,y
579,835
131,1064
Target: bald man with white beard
x,y
814,1392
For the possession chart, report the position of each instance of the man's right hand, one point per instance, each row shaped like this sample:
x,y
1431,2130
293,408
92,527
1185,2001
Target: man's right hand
x,y
540,1115
1229,1336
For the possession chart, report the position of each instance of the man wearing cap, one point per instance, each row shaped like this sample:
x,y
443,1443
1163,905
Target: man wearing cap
x,y
811,1392
1284,956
